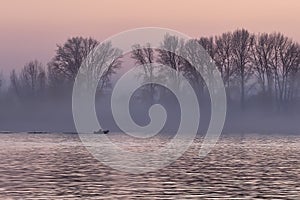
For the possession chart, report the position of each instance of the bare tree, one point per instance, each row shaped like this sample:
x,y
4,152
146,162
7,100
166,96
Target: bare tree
x,y
198,61
1,80
144,55
30,83
262,52
14,83
1,86
32,79
29,76
56,83
101,63
209,45
242,41
224,59
169,54
69,57
285,66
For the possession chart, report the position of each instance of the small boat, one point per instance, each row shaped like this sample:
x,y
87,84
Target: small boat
x,y
100,131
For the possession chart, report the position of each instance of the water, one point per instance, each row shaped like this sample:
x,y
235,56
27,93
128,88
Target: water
x,y
57,166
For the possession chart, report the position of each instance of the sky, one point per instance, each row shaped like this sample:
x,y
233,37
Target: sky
x,y
30,29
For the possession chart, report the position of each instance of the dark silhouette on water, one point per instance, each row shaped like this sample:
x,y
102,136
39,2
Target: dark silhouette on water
x,y
100,131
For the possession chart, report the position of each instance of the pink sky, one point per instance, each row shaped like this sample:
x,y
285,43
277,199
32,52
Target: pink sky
x,y
30,29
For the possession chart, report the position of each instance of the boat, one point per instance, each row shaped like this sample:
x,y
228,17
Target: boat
x,y
100,131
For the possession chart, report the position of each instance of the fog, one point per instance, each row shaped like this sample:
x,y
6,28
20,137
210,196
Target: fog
x,y
56,116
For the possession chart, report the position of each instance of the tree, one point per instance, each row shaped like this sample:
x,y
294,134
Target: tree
x,y
242,41
100,64
261,54
145,56
208,44
1,80
33,78
64,67
30,83
169,54
69,57
14,83
224,58
285,66
1,84
199,60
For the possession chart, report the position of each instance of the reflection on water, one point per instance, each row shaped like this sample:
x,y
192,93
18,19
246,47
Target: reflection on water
x,y
57,166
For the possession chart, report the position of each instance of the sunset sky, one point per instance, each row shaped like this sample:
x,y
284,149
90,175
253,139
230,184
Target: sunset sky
x,y
30,29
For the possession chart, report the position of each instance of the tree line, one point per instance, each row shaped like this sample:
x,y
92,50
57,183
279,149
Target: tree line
x,y
260,69
256,68
35,82
263,66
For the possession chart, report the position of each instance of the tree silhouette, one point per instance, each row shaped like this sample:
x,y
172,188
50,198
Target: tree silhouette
x,y
224,59
144,55
69,57
30,83
1,80
242,41
254,67
64,67
262,52
285,66
33,78
169,54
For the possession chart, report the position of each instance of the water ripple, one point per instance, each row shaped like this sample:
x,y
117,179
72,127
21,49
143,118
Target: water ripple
x,y
57,166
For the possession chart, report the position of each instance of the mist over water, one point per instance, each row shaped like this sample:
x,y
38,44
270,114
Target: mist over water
x,y
56,115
